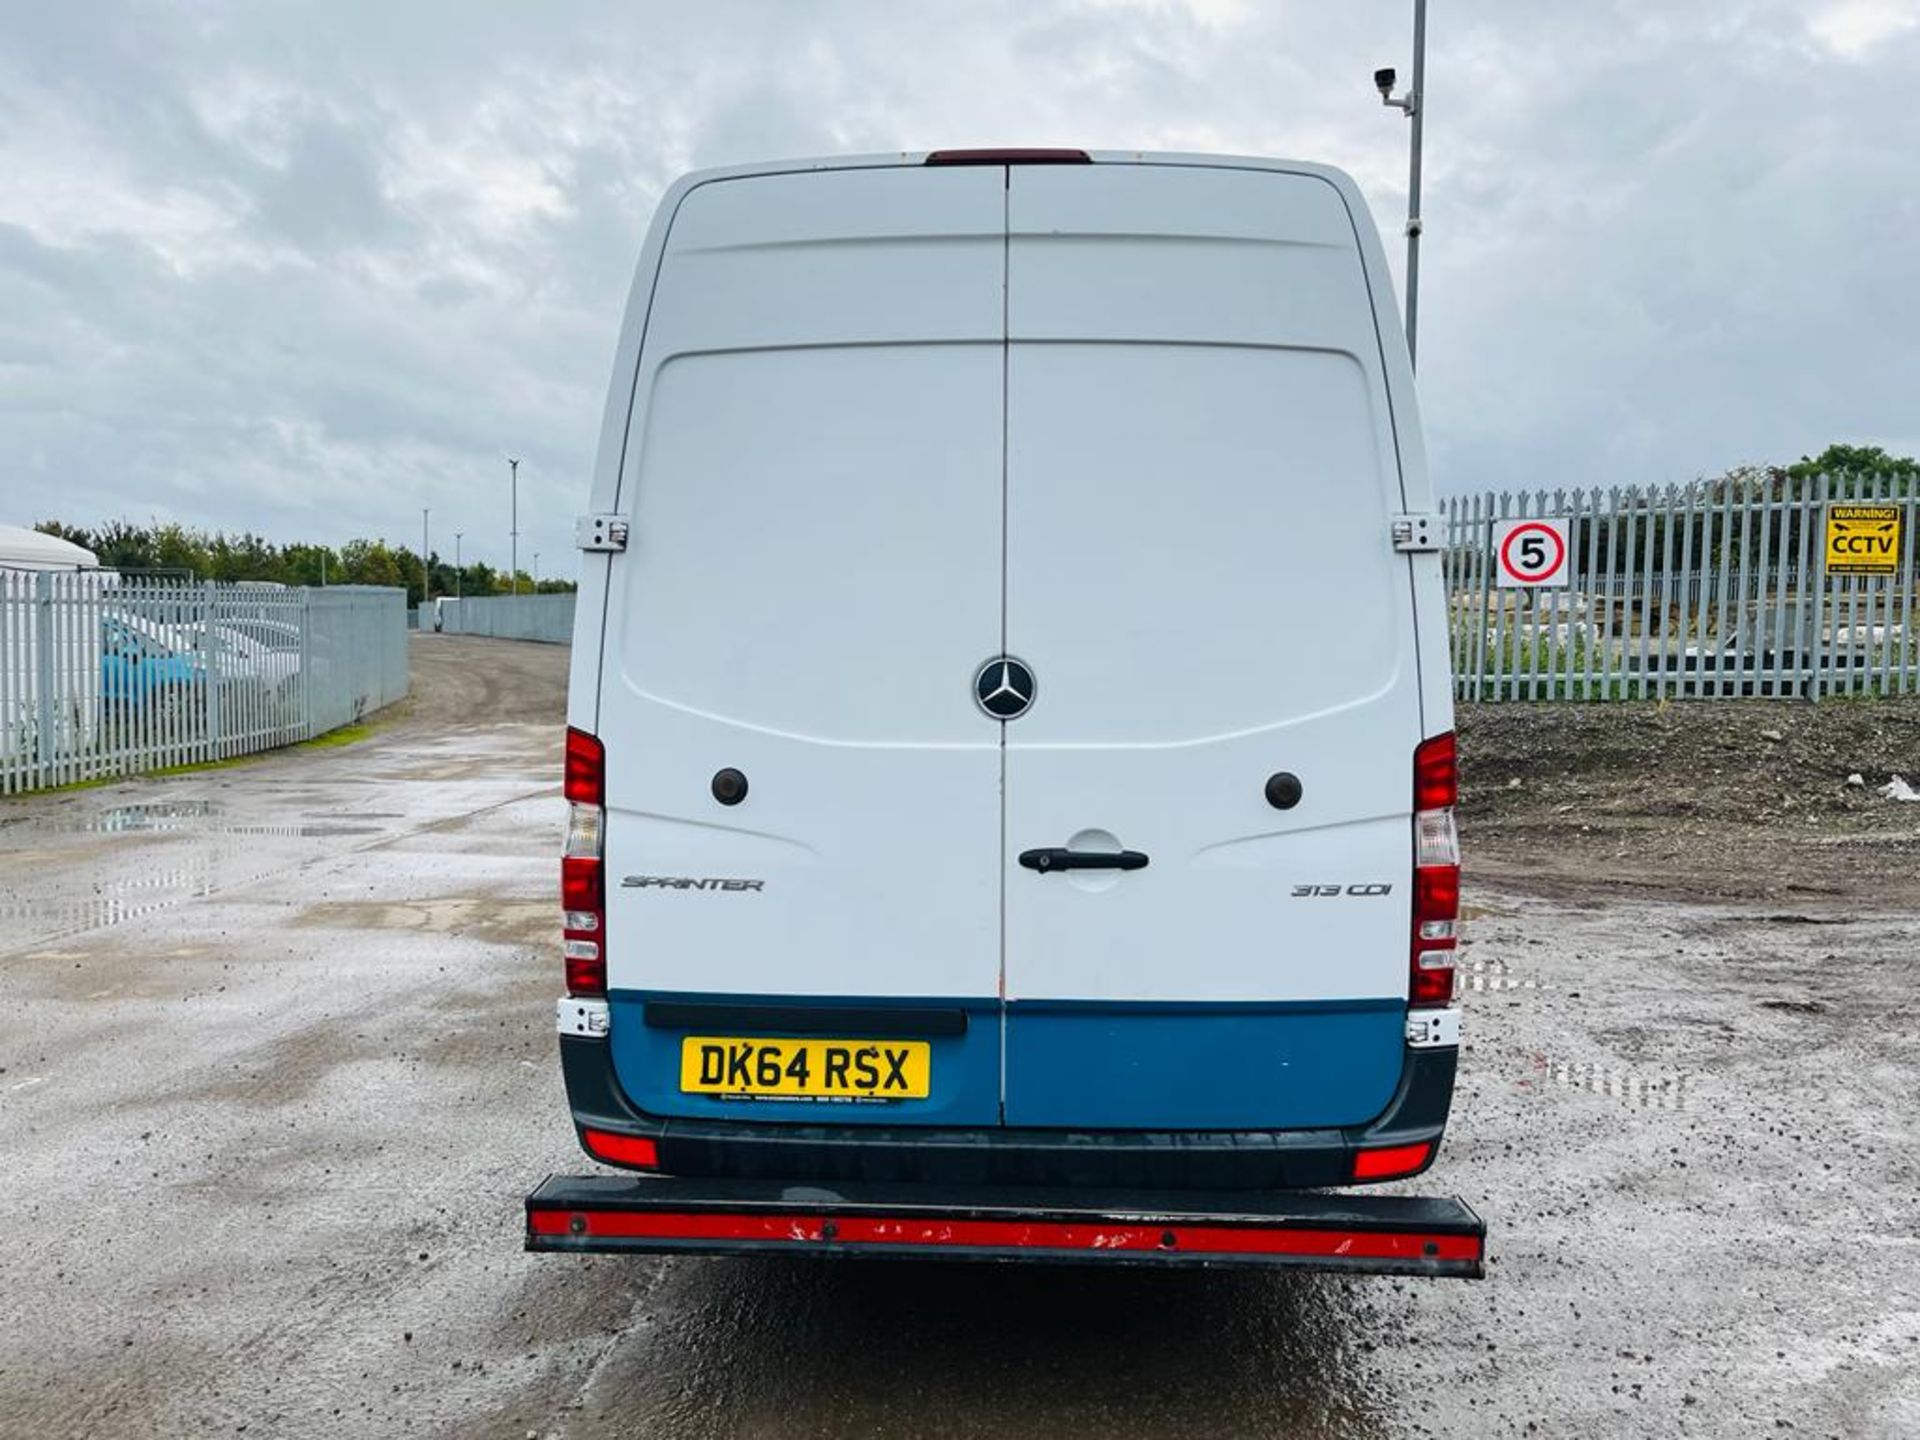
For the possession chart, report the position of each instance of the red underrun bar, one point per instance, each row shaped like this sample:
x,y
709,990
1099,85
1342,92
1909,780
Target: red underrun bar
x,y
1003,1234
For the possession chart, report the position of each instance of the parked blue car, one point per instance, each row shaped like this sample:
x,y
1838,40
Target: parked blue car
x,y
137,666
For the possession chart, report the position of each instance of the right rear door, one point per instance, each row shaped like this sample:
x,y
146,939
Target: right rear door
x,y
1200,477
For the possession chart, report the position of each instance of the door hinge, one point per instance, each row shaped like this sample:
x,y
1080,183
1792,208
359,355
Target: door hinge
x,y
1415,533
601,532
1428,1029
586,1018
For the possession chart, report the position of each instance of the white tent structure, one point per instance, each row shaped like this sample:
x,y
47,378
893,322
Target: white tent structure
x,y
49,640
24,549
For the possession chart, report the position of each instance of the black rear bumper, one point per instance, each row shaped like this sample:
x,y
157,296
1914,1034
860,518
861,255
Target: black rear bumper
x,y
1125,1160
1368,1234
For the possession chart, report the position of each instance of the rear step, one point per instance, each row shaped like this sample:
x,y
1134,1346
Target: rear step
x,y
1368,1234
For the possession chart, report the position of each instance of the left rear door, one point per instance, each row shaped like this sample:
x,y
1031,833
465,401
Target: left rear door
x,y
813,479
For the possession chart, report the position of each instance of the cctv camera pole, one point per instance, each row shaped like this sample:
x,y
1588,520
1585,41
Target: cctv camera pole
x,y
1417,113
1413,105
513,560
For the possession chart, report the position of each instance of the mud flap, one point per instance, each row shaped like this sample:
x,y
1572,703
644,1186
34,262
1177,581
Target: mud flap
x,y
1301,1230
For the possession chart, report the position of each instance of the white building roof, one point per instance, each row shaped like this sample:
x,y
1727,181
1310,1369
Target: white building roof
x,y
24,549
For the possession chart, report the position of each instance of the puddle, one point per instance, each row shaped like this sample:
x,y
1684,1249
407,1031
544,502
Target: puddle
x,y
1636,1091
161,854
1071,1353
113,902
198,817
1491,973
184,872
158,815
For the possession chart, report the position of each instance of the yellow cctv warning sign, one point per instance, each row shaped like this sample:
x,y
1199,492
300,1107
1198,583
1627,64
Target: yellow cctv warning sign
x,y
1863,539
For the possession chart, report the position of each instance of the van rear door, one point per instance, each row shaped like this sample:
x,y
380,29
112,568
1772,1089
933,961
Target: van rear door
x,y
813,475
1201,472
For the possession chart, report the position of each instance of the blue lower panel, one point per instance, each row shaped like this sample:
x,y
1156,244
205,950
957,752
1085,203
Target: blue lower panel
x,y
1141,1066
965,1079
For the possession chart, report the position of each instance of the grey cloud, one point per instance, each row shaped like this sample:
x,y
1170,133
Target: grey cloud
x,y
307,268
329,192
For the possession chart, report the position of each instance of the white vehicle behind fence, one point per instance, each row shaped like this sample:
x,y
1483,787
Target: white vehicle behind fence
x,y
67,656
249,672
106,674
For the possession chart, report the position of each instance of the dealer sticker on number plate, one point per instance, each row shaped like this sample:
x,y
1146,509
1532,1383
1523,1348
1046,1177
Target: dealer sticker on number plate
x,y
806,1069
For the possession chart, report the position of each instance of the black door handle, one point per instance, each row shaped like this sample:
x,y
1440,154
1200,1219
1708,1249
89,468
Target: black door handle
x,y
1045,860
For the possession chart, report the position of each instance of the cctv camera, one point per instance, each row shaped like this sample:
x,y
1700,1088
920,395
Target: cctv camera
x,y
1383,81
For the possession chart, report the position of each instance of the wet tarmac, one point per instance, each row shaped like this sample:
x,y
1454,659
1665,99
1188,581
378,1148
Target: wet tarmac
x,y
276,1067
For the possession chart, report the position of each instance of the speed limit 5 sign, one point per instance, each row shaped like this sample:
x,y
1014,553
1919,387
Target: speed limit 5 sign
x,y
1530,554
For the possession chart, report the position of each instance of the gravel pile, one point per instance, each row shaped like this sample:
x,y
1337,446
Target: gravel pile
x,y
1723,799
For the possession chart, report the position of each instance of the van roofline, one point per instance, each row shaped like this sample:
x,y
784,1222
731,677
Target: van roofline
x,y
909,159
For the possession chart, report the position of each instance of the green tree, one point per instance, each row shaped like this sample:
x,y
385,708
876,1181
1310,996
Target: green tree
x,y
118,545
1863,462
73,534
370,562
177,548
122,545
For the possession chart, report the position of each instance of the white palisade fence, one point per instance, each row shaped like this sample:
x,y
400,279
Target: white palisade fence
x,y
1684,592
103,674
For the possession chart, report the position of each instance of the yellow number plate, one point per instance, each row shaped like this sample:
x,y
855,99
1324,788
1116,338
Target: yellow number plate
x,y
806,1069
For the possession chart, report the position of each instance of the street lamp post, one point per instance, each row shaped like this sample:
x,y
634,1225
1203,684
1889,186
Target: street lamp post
x,y
1413,106
536,572
426,565
513,555
459,580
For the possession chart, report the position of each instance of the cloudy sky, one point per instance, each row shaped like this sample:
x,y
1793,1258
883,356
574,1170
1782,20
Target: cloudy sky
x,y
305,268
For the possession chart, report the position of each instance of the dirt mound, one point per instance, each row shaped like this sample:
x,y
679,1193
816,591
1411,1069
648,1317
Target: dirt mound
x,y
1726,799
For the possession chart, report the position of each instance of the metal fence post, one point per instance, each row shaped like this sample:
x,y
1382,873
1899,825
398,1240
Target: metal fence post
x,y
210,669
43,670
306,663
1817,595
1909,543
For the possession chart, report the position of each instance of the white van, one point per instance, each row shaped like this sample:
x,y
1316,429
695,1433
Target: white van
x,y
1009,725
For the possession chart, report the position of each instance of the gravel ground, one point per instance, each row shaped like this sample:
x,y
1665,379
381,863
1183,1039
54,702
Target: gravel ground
x,y
1730,800
276,1068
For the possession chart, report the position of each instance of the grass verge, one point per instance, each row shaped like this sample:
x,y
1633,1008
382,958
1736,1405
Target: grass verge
x,y
332,740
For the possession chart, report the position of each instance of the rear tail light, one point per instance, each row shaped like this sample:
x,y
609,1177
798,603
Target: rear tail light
x,y
1387,1161
583,888
1436,873
636,1150
586,769
1436,774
